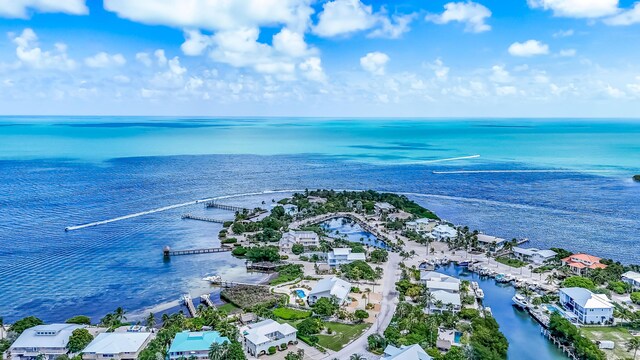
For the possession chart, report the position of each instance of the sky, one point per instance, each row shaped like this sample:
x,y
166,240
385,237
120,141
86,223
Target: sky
x,y
351,58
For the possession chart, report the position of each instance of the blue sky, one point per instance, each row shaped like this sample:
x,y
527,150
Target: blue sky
x,y
405,58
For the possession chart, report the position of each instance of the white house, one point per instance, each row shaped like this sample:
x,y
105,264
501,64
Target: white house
x,y
341,256
444,232
47,340
588,308
433,276
290,209
383,208
533,255
259,337
305,238
330,288
445,289
412,352
117,346
423,225
490,243
632,278
444,300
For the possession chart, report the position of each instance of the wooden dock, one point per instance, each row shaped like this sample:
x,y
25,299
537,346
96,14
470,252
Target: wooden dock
x,y
264,266
168,252
186,299
227,284
206,300
203,218
217,205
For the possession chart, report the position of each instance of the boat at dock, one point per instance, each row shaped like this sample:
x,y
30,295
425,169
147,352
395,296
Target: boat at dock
x,y
479,293
520,301
212,279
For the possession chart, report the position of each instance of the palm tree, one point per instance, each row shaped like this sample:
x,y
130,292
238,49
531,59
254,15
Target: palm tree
x,y
550,279
634,345
218,351
119,314
356,357
151,320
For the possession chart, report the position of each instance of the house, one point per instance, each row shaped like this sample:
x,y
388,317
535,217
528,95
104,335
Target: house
x,y
447,338
587,307
248,318
259,337
423,225
444,232
290,209
188,344
412,352
445,290
490,243
322,269
307,239
444,300
383,208
533,255
582,263
50,341
330,288
341,256
632,278
432,276
117,346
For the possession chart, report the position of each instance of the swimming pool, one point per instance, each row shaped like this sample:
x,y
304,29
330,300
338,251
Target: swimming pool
x,y
457,336
553,309
300,294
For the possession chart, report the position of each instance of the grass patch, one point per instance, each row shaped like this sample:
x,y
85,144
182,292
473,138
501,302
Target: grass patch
x,y
246,296
229,308
619,335
511,262
288,273
342,335
291,314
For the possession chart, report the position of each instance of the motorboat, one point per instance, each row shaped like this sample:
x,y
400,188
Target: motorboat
x,y
479,293
520,301
212,279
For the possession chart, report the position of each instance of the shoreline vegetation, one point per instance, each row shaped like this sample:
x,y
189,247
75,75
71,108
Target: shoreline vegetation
x,y
636,178
327,325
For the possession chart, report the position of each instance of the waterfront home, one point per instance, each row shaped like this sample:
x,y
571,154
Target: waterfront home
x,y
46,341
411,352
332,288
444,232
383,208
490,243
423,225
259,337
432,276
444,300
632,278
533,255
307,239
447,338
587,307
117,346
196,345
341,256
582,263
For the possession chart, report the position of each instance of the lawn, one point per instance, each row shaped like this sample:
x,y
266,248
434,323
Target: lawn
x,y
511,262
342,335
229,308
291,314
617,334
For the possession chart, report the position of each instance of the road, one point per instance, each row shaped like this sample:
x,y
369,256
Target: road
x,y
388,308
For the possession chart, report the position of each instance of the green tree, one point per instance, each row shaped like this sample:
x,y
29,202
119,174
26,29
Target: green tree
x,y
357,357
299,355
309,326
634,345
297,249
21,325
635,297
579,281
79,340
361,314
80,320
218,351
325,306
263,253
151,320
379,256
235,352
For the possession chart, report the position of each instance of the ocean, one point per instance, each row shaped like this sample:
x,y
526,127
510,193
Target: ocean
x,y
560,183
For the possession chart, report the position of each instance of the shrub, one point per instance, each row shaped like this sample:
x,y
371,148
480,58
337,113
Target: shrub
x,y
229,241
272,350
635,297
469,314
579,281
263,253
309,326
297,249
226,224
361,314
283,347
80,320
325,307
618,287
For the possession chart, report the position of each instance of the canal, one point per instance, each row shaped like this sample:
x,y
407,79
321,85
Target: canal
x,y
521,330
352,232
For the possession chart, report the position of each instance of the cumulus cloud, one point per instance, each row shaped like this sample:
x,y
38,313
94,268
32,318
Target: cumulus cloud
x,y
290,43
627,17
23,8
195,43
340,17
614,92
439,69
392,27
500,75
30,54
472,14
104,60
506,90
374,62
577,8
312,69
528,48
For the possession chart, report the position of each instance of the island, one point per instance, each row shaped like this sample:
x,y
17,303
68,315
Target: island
x,y
636,178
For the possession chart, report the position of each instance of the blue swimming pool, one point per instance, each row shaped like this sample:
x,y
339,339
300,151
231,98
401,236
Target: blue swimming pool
x,y
457,337
553,309
300,294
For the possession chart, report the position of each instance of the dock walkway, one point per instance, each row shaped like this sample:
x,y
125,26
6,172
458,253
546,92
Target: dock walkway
x,y
186,299
203,218
168,252
217,205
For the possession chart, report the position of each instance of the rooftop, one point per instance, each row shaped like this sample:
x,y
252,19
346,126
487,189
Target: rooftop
x,y
587,299
436,276
257,333
632,275
195,341
534,251
336,287
116,343
446,297
46,336
488,239
413,352
579,260
443,285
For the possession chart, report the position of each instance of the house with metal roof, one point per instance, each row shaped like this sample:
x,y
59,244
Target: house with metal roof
x,y
422,225
412,352
117,346
307,239
632,278
332,287
533,255
444,232
341,256
588,307
49,341
259,337
189,344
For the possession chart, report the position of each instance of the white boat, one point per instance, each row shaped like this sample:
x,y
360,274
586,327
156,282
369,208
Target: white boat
x,y
488,310
479,293
212,279
520,301
474,285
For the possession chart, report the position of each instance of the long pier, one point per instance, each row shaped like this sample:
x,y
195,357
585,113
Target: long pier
x,y
203,218
186,299
217,205
227,284
168,252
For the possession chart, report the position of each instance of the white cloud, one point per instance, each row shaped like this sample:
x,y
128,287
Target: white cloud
x,y
506,90
312,69
215,14
104,60
290,43
577,8
563,33
472,14
20,8
340,17
528,48
614,92
374,62
567,52
394,27
627,17
195,43
144,58
500,75
30,54
439,69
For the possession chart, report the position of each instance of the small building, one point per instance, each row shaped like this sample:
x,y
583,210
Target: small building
x,y
188,344
533,255
581,263
332,287
411,352
383,208
423,225
632,278
117,346
307,239
490,243
323,269
248,318
447,338
290,209
399,215
444,232
50,341
259,337
341,256
318,200
587,307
